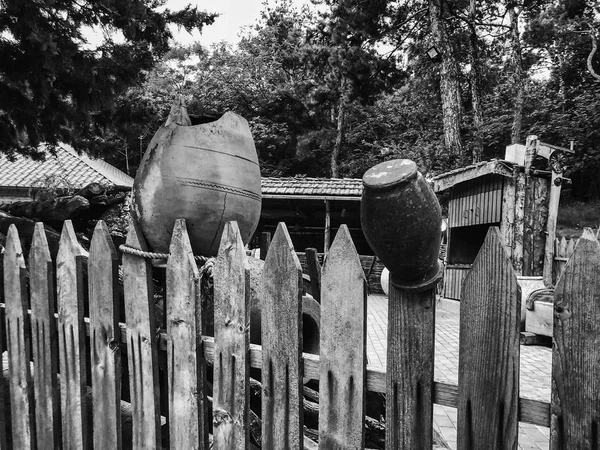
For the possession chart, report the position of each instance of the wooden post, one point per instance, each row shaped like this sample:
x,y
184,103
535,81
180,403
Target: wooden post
x,y
529,208
314,272
575,355
187,403
508,212
519,223
45,345
71,340
232,343
18,344
555,187
488,374
327,239
265,242
343,348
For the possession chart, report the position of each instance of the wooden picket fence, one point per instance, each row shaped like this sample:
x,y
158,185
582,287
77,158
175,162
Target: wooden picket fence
x,y
563,250
49,404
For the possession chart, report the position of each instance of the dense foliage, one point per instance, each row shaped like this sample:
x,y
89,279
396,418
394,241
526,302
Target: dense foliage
x,y
334,89
54,85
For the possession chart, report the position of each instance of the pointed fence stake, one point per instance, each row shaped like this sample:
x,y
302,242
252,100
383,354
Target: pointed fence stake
x,y
343,347
575,421
187,402
232,343
45,341
281,306
70,262
103,277
18,343
141,344
488,374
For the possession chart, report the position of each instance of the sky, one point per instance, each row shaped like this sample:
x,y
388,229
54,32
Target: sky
x,y
234,14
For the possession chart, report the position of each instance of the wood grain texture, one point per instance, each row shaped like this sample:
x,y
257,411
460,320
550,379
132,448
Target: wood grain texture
x,y
282,345
488,371
71,340
4,430
541,192
314,272
410,362
507,225
18,343
232,343
44,342
142,348
551,229
187,408
103,279
575,354
343,347
519,224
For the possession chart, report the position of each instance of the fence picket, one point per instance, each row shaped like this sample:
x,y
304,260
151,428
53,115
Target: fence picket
x,y
187,402
18,343
103,277
488,373
71,339
575,407
232,343
343,347
141,341
45,341
281,306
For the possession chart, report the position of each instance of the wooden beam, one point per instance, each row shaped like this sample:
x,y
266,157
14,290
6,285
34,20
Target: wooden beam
x,y
327,227
446,181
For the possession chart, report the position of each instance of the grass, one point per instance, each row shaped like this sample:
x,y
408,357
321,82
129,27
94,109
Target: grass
x,y
576,215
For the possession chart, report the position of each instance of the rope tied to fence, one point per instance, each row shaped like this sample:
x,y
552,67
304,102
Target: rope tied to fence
x,y
152,255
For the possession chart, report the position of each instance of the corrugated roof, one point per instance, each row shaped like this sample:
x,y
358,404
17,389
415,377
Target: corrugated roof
x,y
67,168
447,180
311,187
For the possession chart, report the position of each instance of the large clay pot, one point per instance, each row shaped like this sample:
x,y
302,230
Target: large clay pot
x,y
207,174
401,219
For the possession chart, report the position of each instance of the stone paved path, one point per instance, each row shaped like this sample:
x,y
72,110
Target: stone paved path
x,y
536,364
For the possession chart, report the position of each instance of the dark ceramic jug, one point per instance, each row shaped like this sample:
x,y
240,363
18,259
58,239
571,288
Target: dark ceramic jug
x,y
401,219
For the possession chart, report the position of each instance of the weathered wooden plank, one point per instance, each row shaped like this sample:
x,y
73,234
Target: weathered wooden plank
x,y
343,347
18,343
519,224
551,229
541,192
103,278
508,214
410,363
232,343
187,403
45,342
71,340
141,343
4,430
314,272
575,354
488,373
282,426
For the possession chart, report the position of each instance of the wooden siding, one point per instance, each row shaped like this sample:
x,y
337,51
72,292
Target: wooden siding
x,y
453,280
476,202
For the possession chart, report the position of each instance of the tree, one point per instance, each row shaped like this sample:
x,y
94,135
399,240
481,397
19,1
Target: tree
x,y
54,86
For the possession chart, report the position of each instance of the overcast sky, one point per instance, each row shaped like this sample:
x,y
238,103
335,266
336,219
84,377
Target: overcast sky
x,y
234,14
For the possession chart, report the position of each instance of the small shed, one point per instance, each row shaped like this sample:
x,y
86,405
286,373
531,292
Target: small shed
x,y
520,195
313,209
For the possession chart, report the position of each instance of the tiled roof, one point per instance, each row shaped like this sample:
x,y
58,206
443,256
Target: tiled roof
x,y
311,187
70,169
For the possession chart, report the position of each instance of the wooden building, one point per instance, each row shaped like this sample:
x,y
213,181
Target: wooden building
x,y
520,196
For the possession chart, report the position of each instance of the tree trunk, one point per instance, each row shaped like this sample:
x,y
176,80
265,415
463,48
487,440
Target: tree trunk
x,y
518,75
341,128
475,85
449,85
